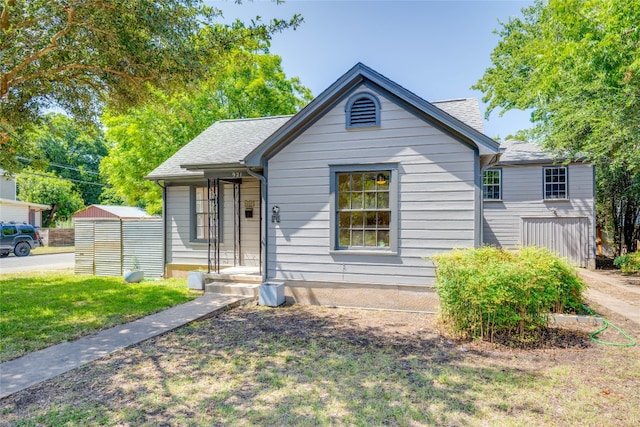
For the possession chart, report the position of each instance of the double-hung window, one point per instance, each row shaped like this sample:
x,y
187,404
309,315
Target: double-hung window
x,y
365,208
492,184
555,182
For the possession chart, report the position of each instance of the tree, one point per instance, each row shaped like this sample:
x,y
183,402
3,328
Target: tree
x,y
71,151
576,64
246,85
79,55
48,189
618,204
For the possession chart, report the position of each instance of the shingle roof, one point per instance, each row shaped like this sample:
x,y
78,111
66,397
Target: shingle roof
x,y
466,110
358,75
229,142
224,142
520,152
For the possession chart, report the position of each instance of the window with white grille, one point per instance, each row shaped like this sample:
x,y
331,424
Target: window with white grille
x,y
555,183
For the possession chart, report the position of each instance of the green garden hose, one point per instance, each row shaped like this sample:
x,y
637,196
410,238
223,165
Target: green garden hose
x,y
606,324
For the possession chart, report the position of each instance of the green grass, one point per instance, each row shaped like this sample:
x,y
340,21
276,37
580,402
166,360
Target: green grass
x,y
45,250
41,309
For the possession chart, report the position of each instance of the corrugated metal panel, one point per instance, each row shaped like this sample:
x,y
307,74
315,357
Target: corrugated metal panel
x,y
142,239
108,248
565,236
84,255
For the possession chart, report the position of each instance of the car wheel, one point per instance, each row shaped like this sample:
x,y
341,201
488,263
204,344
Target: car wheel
x,y
4,254
22,249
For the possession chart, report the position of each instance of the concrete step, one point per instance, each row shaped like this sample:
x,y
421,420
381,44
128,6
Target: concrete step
x,y
233,278
233,288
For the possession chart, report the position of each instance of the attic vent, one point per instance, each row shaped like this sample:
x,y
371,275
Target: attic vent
x,y
362,110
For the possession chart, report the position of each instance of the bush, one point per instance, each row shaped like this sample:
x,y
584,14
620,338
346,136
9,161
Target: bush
x,y
489,291
628,263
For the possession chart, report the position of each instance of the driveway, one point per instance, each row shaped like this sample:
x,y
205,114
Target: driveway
x,y
614,291
13,264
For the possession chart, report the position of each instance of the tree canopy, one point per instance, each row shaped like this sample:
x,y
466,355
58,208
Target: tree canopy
x,y
49,189
244,85
79,55
576,64
71,151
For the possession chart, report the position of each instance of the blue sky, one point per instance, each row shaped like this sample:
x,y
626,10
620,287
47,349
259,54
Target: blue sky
x,y
436,49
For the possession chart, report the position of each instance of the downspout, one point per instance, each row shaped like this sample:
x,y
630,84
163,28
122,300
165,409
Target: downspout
x,y
164,226
484,163
263,221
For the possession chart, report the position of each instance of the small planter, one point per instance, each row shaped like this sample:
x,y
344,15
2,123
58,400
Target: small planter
x,y
195,280
271,294
133,276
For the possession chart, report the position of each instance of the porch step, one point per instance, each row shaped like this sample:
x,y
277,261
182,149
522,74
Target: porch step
x,y
233,288
238,274
233,278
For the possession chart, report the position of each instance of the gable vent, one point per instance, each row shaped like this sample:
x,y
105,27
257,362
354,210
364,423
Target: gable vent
x,y
363,111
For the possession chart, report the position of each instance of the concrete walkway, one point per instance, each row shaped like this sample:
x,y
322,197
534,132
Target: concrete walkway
x,y
616,305
42,365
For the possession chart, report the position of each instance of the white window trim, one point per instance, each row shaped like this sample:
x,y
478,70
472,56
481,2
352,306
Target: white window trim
x,y
544,184
499,170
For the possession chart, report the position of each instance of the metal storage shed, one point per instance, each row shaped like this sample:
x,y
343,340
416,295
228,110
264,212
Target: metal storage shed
x,y
109,238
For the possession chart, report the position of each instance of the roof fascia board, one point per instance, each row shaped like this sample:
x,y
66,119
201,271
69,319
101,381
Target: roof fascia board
x,y
553,162
357,75
437,116
198,167
24,204
299,122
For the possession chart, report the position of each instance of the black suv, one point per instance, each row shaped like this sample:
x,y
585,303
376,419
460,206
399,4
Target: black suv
x,y
18,238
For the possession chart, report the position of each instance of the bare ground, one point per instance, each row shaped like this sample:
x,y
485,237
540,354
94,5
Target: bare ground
x,y
301,365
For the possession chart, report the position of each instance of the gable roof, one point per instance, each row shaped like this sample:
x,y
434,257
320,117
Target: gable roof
x,y
229,144
226,142
356,76
110,211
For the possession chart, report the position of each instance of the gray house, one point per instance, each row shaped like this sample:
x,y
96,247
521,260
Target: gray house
x,y
344,201
532,198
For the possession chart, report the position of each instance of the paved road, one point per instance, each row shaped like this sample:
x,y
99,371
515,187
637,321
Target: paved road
x,y
13,264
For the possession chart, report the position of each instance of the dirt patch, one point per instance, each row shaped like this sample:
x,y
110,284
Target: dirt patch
x,y
301,365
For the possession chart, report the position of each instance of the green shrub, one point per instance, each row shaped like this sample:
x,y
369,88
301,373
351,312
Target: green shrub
x,y
489,291
628,263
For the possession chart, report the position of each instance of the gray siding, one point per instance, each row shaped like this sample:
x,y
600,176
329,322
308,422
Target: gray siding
x,y
522,197
184,251
436,206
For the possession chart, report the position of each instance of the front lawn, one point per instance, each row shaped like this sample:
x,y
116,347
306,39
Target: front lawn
x,y
313,366
41,309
